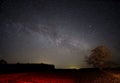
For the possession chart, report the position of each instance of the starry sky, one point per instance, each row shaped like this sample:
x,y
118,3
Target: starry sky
x,y
59,32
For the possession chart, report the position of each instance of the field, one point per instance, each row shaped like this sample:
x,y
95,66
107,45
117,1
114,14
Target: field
x,y
62,76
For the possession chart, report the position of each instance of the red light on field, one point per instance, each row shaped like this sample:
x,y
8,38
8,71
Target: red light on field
x,y
25,82
28,82
35,78
49,81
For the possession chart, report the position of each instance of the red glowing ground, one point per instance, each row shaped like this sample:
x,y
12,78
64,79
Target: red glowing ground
x,y
60,77
36,78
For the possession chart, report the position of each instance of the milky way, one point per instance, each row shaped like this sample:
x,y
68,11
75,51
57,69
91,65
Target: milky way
x,y
57,32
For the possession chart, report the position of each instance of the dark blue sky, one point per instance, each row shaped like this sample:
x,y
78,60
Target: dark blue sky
x,y
60,32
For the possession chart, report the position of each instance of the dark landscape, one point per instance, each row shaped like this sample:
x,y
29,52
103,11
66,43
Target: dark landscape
x,y
42,73
59,41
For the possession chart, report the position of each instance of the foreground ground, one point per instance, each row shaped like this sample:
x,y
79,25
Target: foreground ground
x,y
62,77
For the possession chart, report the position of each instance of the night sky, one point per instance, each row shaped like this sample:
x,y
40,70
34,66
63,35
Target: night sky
x,y
59,32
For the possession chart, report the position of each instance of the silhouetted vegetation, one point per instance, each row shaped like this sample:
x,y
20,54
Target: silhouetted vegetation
x,y
100,57
2,61
6,68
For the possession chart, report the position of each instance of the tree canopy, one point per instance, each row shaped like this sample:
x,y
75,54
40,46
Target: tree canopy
x,y
99,57
2,61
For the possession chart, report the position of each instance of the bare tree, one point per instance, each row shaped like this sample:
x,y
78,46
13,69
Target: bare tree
x,y
99,57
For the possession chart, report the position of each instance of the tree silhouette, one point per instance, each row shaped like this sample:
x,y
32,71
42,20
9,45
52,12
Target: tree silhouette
x,y
99,57
2,61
